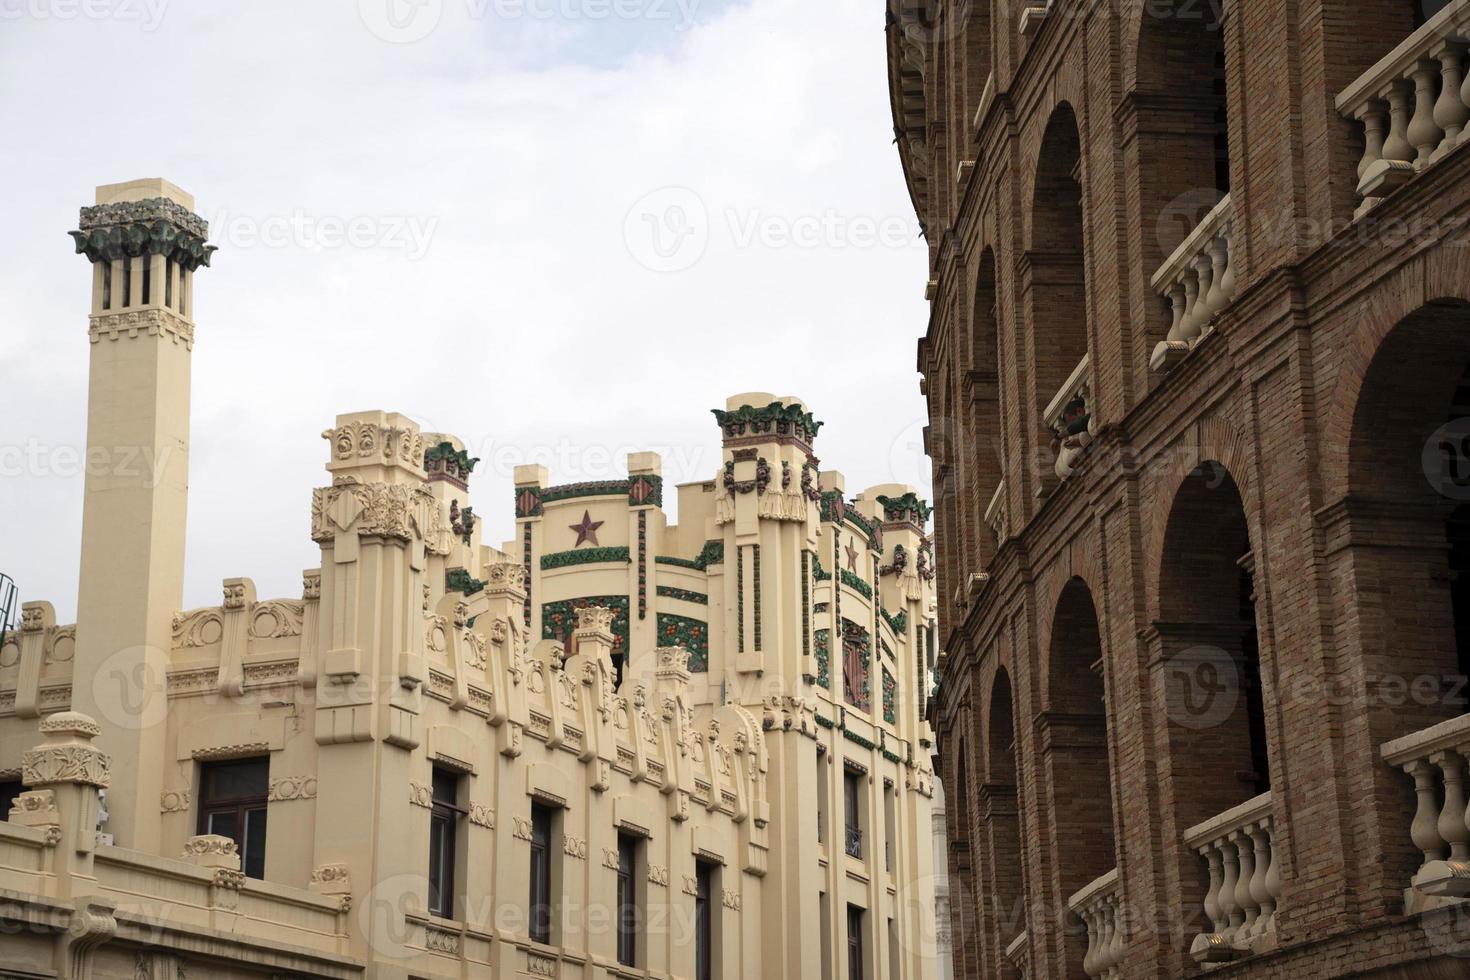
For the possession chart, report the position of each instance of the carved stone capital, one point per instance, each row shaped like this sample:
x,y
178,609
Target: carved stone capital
x,y
212,851
67,755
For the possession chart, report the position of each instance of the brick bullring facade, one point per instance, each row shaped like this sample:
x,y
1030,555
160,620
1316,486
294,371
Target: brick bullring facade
x,y
1197,376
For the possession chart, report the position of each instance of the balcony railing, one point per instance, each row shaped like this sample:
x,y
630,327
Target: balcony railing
x,y
1070,418
1018,954
995,512
1413,105
1245,881
1435,759
854,842
1100,909
1198,280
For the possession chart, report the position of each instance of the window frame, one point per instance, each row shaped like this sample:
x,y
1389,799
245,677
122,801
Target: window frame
x,y
855,961
629,861
542,896
244,808
444,817
852,796
704,924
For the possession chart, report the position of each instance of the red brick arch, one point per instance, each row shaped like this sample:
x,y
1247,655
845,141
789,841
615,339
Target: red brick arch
x,y
1440,274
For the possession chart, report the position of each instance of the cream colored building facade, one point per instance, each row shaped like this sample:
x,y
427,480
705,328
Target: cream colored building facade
x,y
699,747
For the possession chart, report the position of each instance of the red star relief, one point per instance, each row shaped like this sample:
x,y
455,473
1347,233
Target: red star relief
x,y
587,530
852,556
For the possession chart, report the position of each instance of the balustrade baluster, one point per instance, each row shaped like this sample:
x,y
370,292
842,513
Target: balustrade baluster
x,y
1451,824
1229,908
1227,256
1373,114
1115,939
1424,831
1450,112
1091,919
1192,318
1397,146
1177,304
1423,134
1245,850
1218,921
1260,893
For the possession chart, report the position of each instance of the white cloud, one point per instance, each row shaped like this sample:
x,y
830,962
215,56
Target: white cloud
x,y
509,153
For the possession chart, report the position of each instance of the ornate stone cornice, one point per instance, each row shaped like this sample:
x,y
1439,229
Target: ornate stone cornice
x,y
149,323
156,226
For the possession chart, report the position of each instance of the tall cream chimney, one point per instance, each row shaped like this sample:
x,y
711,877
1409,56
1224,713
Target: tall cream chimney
x,y
144,243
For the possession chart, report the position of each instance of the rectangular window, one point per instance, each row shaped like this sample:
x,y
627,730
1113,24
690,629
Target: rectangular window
x,y
852,793
127,276
704,929
443,831
232,803
823,789
628,899
106,284
9,790
890,818
542,818
854,943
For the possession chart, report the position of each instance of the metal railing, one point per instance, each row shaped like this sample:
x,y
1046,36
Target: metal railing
x,y
8,606
854,842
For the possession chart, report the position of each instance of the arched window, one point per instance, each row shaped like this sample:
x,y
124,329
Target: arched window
x,y
1212,672
1075,754
984,432
1000,806
1055,279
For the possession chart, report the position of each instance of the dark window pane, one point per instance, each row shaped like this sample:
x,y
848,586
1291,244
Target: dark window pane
x,y
446,787
627,899
252,855
9,790
703,923
245,780
225,823
540,898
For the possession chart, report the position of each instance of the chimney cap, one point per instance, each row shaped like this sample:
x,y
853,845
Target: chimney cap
x,y
144,189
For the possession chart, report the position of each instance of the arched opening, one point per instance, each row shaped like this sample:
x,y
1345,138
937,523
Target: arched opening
x,y
946,452
1182,141
1055,275
1425,9
977,55
999,802
963,902
1409,495
1075,754
1212,671
984,431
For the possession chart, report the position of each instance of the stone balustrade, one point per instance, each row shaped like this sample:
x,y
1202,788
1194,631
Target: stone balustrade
x,y
1070,418
1018,954
995,512
1437,759
1100,908
1245,881
1198,281
1413,105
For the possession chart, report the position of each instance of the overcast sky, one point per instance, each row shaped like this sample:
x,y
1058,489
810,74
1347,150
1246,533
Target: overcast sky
x,y
560,229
